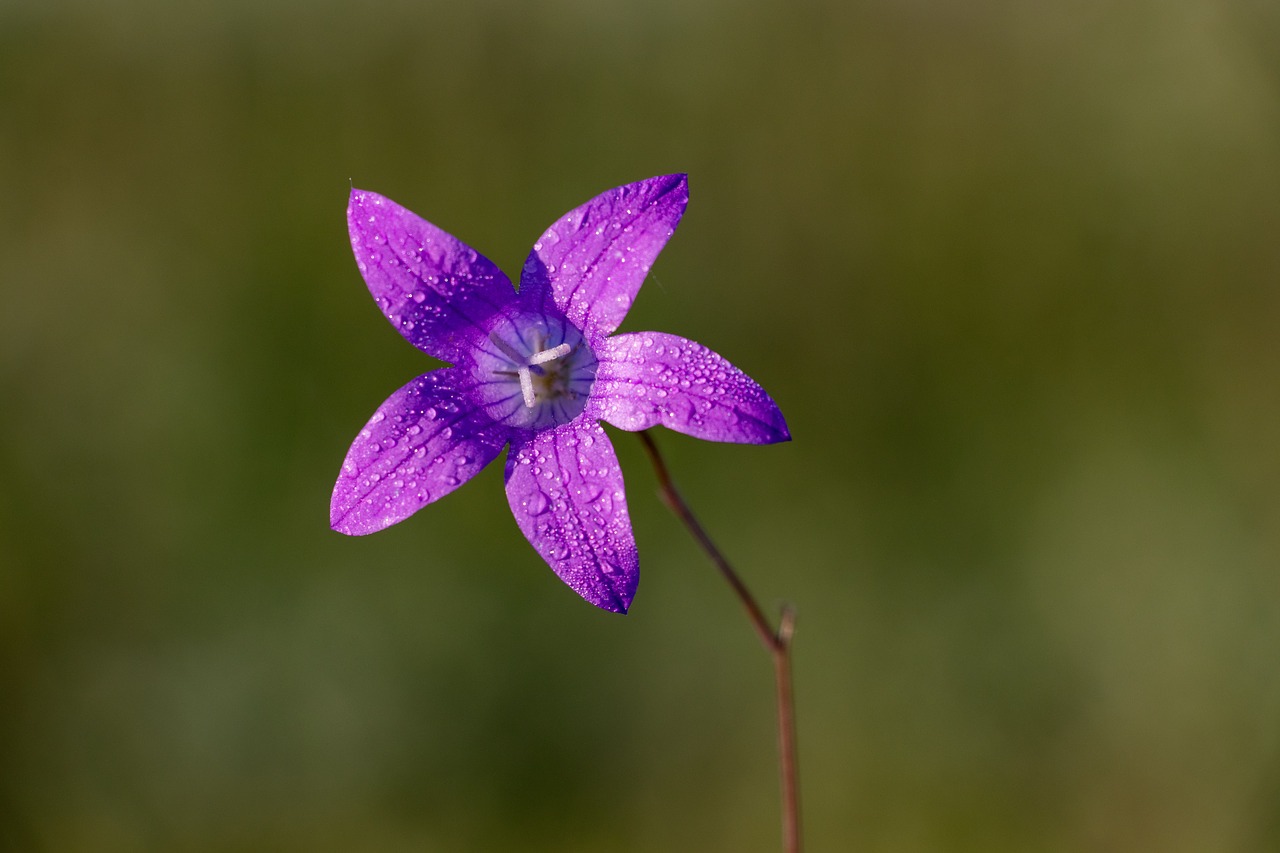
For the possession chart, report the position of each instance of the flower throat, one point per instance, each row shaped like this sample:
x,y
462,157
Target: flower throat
x,y
538,373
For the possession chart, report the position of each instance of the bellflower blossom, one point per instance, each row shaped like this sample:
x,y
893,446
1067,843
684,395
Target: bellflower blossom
x,y
536,370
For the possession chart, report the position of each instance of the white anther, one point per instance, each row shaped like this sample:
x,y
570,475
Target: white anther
x,y
526,388
549,354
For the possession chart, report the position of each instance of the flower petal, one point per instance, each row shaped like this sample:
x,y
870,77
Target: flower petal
x,y
565,490
649,378
593,260
427,439
433,288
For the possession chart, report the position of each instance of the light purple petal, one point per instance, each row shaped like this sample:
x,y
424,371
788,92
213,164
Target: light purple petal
x,y
427,439
565,490
592,261
649,378
433,288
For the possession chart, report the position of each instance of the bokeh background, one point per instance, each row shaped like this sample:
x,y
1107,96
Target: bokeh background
x,y
1009,268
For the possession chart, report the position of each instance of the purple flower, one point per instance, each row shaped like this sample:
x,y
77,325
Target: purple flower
x,y
536,370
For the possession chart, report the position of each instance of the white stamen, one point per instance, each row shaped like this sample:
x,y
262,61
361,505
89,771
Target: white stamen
x,y
526,388
507,350
549,354
523,365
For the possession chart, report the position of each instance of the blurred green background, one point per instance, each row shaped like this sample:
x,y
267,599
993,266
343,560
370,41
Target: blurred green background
x,y
1009,268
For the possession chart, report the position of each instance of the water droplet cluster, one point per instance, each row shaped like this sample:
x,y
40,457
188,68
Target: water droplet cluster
x,y
572,507
409,454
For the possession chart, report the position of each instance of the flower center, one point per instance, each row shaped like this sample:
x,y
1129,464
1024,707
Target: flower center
x,y
534,371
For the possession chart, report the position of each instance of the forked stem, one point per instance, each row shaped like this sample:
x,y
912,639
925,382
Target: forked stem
x,y
776,641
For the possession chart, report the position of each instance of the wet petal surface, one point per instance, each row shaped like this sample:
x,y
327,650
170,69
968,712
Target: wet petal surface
x,y
566,491
435,289
592,261
650,378
426,440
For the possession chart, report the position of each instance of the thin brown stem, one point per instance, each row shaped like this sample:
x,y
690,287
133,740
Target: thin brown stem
x,y
776,641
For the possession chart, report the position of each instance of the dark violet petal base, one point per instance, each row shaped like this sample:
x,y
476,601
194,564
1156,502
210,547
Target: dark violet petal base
x,y
435,289
566,492
427,439
593,260
650,378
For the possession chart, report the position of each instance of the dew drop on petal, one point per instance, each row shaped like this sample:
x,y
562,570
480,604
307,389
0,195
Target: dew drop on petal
x,y
536,504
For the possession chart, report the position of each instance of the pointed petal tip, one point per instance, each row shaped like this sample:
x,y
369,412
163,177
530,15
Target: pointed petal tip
x,y
612,606
620,591
355,202
615,603
358,199
677,183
